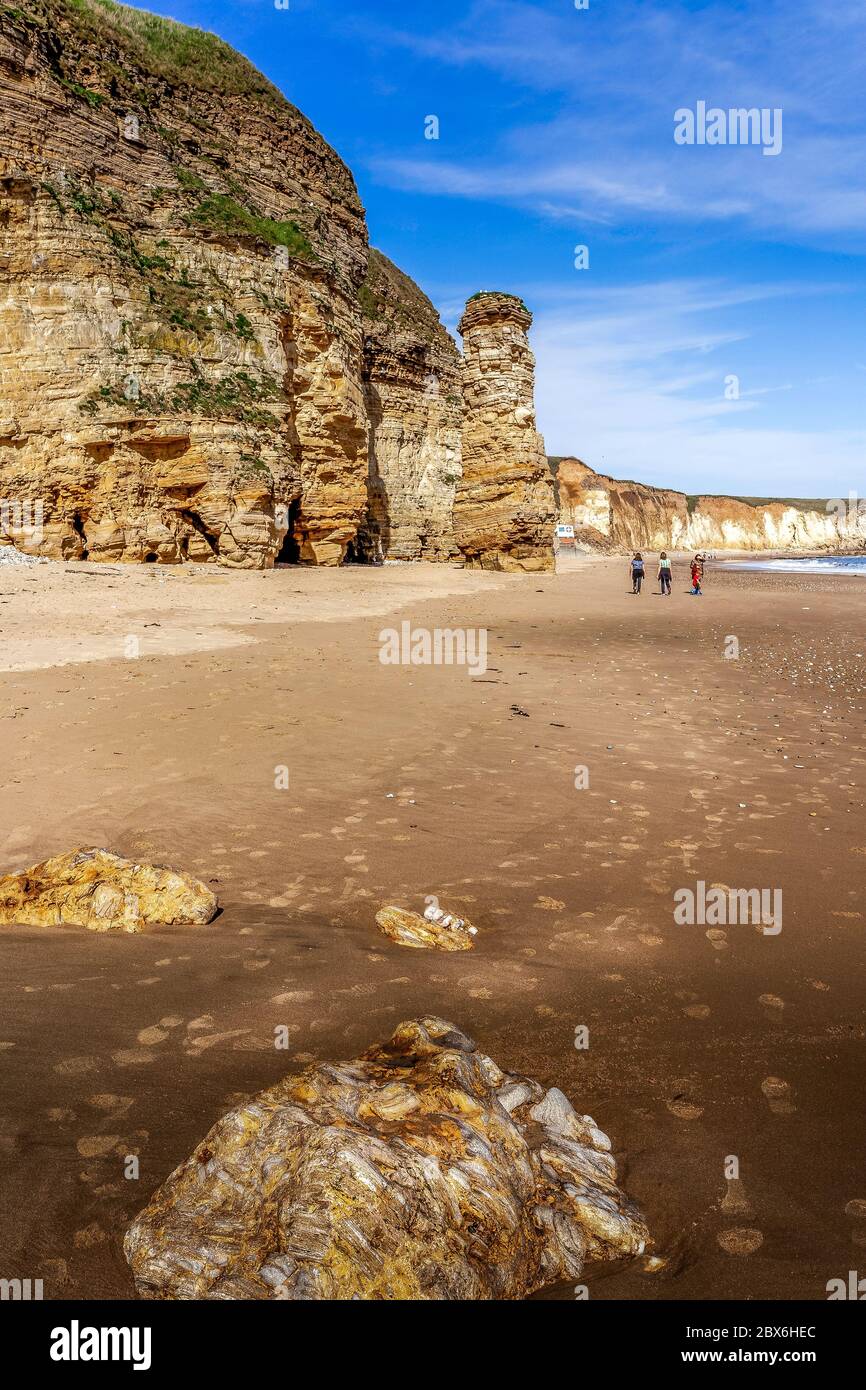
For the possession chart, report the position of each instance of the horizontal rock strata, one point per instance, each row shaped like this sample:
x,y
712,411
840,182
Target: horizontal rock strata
x,y
610,514
193,363
504,509
419,1171
415,410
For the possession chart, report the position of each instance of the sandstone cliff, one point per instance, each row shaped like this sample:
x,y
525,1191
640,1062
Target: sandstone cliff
x,y
504,510
200,359
609,514
414,408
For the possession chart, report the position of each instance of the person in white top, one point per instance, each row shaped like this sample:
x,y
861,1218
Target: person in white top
x,y
664,574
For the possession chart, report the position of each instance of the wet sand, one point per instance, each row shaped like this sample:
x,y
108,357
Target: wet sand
x,y
407,781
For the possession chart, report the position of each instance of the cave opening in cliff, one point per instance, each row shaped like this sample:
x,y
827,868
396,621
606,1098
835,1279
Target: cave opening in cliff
x,y
290,550
195,521
78,528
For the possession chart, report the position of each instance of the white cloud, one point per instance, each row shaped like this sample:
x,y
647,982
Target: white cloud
x,y
608,151
618,386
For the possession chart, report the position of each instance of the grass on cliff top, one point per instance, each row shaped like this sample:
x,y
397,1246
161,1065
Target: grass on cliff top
x,y
166,49
479,294
388,294
802,504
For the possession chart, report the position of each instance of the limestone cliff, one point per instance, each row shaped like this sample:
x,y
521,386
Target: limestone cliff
x,y
504,511
200,359
610,514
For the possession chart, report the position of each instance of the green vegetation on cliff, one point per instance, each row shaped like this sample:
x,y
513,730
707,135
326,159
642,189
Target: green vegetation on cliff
x,y
386,294
161,47
236,396
223,214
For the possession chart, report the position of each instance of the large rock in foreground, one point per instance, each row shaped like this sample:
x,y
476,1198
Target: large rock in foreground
x,y
96,889
419,1171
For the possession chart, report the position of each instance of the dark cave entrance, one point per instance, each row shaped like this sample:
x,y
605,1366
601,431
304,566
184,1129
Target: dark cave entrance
x,y
78,528
290,550
151,557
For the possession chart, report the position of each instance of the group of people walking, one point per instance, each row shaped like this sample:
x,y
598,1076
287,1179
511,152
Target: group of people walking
x,y
664,573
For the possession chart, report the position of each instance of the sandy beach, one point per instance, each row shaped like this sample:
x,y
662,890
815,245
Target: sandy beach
x,y
147,709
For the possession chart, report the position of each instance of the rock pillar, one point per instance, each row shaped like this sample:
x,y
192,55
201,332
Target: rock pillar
x,y
504,508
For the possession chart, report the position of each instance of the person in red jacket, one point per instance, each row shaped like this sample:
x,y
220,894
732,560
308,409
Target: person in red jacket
x,y
696,575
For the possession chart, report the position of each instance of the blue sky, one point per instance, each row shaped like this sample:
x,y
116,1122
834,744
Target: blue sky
x,y
556,131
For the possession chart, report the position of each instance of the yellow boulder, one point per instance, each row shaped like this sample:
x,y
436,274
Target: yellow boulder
x,y
96,889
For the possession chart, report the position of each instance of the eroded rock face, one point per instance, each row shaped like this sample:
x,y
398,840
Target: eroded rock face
x,y
183,372
504,509
608,513
96,889
437,929
419,1171
414,406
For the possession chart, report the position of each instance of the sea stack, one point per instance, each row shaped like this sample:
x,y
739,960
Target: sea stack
x,y
504,510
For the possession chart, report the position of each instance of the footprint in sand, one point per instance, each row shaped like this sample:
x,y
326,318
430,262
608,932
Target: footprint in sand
x,y
684,1109
96,1145
778,1094
717,938
697,1011
736,1200
149,1037
76,1066
130,1057
855,1210
772,1005
196,1046
88,1237
108,1102
740,1240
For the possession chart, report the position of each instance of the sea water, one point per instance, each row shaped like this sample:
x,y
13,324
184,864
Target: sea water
x,y
823,564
